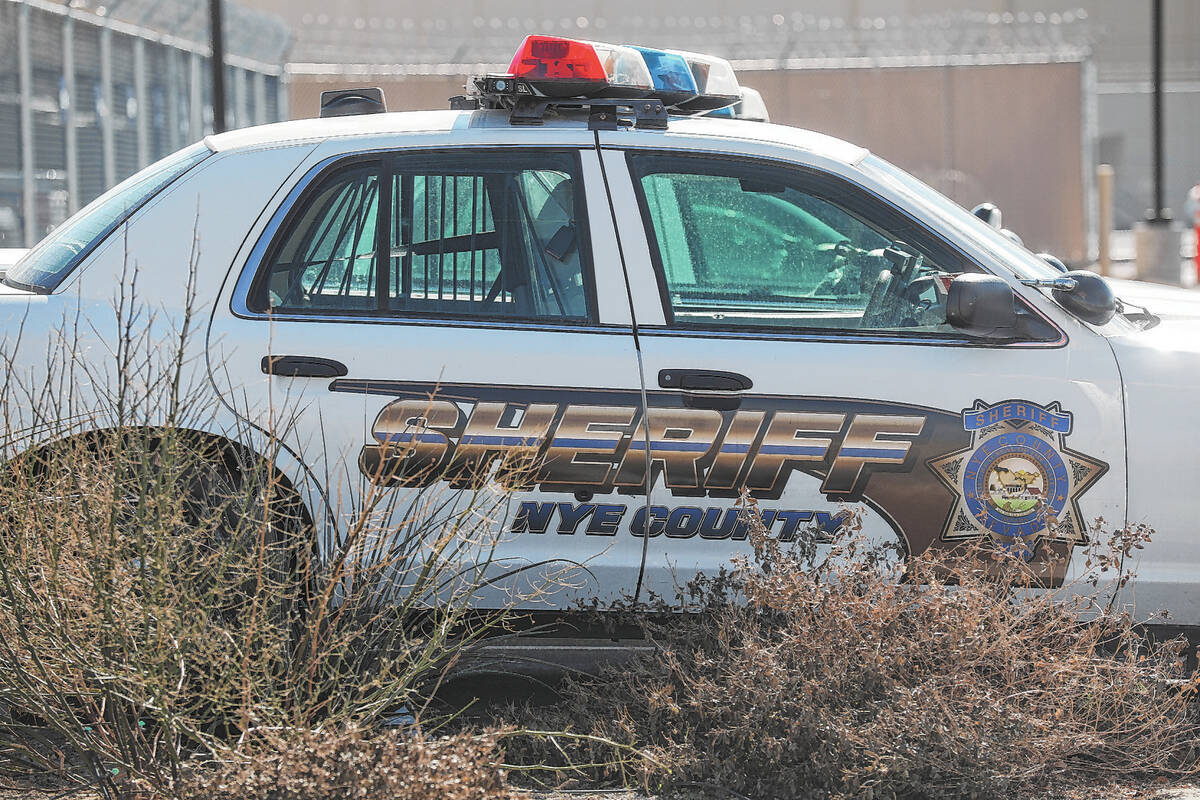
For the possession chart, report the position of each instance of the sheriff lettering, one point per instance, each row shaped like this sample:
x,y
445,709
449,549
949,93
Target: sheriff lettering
x,y
562,444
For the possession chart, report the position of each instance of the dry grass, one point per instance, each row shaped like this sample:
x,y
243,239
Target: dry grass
x,y
160,592
815,672
338,763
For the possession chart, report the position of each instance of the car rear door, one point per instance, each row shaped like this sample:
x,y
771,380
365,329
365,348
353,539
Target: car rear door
x,y
493,348
780,361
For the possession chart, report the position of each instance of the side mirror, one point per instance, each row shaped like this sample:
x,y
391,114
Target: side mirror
x,y
989,213
1012,236
1091,299
982,305
1053,261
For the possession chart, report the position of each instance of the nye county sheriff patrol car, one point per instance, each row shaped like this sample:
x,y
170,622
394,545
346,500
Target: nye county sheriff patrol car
x,y
583,265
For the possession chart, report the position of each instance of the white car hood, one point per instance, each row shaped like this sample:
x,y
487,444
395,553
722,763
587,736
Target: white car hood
x,y
1167,302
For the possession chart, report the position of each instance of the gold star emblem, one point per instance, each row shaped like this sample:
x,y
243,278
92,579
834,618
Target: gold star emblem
x,y
1050,425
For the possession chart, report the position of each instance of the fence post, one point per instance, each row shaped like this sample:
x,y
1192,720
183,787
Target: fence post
x,y
1104,195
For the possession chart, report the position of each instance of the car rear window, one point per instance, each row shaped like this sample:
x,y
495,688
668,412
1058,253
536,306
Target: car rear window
x,y
50,261
464,235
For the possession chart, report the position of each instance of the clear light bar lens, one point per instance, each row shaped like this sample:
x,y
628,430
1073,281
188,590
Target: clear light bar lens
x,y
714,78
623,65
751,106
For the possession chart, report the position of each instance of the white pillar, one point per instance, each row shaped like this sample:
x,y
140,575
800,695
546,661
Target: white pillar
x,y
260,98
239,119
281,87
70,132
140,97
195,99
25,76
173,121
107,140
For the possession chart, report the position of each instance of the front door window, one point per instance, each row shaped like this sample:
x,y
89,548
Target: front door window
x,y
742,245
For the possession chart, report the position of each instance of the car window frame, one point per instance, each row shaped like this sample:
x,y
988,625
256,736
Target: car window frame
x,y
838,189
256,270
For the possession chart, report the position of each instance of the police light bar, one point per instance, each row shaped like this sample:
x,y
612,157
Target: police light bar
x,y
556,67
552,72
714,78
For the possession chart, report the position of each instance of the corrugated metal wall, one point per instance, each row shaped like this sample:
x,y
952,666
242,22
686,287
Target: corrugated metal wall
x,y
99,100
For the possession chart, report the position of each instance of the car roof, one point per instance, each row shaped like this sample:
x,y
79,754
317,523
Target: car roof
x,y
402,122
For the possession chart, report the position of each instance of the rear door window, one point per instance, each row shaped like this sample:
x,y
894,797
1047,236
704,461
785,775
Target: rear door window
x,y
464,235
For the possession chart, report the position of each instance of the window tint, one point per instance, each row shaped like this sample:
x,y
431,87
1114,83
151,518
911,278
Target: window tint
x,y
52,259
747,245
470,235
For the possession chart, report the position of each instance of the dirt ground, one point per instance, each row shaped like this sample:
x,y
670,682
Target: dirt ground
x,y
1152,791
1155,790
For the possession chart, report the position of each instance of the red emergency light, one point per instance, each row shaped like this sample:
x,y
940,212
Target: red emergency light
x,y
557,67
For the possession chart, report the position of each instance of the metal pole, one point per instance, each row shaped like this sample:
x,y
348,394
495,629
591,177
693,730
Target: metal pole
x,y
1158,213
217,64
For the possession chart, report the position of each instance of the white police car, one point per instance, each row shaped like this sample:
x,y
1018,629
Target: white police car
x,y
655,308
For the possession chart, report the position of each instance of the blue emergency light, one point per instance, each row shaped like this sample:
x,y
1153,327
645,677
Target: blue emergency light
x,y
672,78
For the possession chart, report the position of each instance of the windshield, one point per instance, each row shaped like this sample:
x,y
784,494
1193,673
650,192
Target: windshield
x,y
1005,251
50,261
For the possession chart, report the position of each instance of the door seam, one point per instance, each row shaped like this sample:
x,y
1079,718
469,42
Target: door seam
x,y
637,346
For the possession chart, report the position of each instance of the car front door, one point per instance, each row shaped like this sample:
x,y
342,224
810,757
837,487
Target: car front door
x,y
490,347
793,330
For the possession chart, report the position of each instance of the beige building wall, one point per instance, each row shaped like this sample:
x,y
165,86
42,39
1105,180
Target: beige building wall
x,y
1008,134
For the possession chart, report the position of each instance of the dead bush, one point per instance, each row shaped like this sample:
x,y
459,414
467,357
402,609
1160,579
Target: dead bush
x,y
350,761
162,591
819,671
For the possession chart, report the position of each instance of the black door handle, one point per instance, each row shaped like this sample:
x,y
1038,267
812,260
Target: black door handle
x,y
303,367
709,380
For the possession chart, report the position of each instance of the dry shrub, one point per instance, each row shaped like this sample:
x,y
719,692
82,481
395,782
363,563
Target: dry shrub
x,y
337,763
815,672
148,613
162,592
